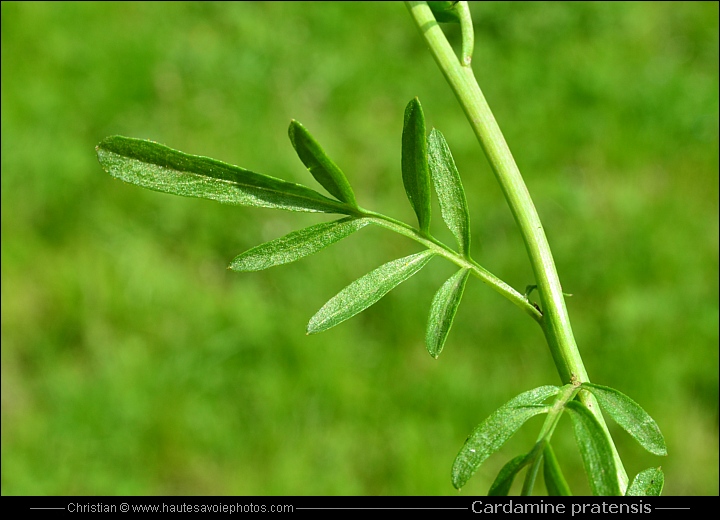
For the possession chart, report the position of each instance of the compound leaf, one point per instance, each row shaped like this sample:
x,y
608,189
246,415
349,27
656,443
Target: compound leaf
x,y
157,167
365,291
296,245
442,311
416,177
630,416
320,165
595,451
449,189
492,433
503,482
555,482
647,483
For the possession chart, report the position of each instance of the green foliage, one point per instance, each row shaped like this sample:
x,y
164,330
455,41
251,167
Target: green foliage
x,y
365,291
151,165
647,483
416,177
296,245
449,189
595,451
593,440
631,417
491,434
157,167
442,311
137,352
320,165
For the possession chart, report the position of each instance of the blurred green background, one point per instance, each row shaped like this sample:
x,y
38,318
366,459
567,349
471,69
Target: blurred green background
x,y
133,362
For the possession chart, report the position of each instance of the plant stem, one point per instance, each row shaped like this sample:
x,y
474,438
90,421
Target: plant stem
x,y
555,322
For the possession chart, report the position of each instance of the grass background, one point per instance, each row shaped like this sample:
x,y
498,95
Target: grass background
x,y
134,363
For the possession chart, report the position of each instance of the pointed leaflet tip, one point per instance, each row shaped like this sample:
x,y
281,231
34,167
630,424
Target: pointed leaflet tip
x,y
325,171
415,173
365,291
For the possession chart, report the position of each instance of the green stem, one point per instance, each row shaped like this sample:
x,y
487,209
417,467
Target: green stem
x,y
555,322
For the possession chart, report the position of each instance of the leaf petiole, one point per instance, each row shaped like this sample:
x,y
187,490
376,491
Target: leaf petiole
x,y
441,249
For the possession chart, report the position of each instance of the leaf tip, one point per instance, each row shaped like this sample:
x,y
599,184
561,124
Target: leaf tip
x,y
291,131
295,131
413,105
235,266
